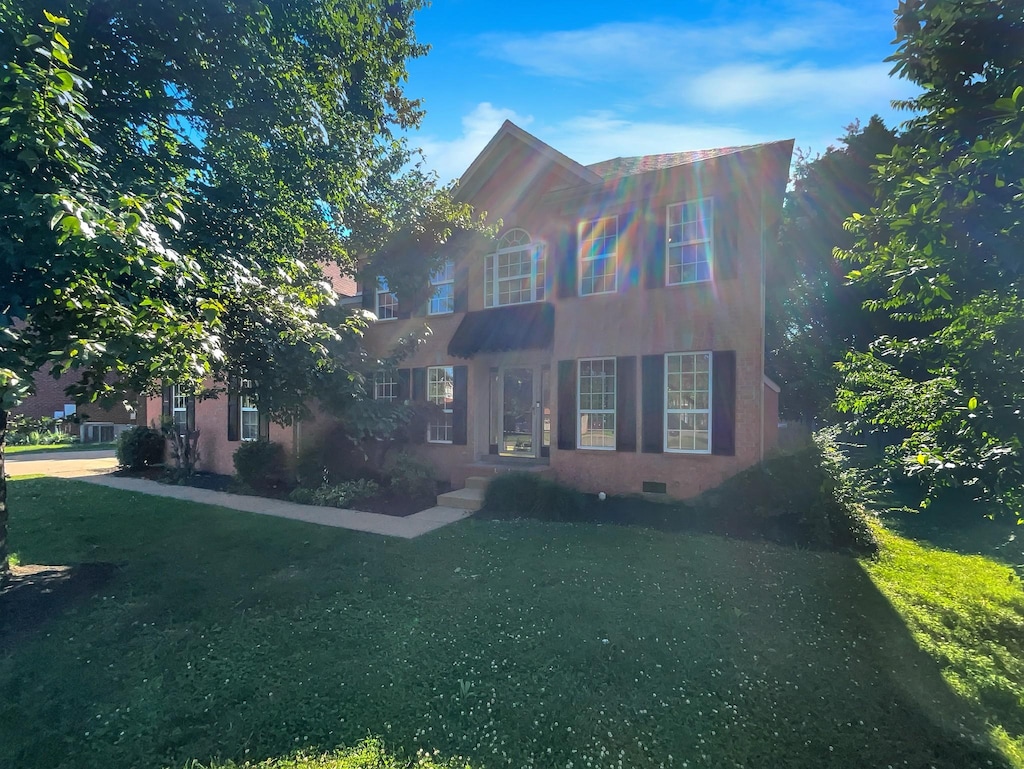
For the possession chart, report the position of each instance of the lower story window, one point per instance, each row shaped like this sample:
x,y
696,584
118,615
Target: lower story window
x,y
179,409
596,403
688,402
440,392
385,386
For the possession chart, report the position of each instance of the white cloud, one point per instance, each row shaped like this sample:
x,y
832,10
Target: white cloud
x,y
586,138
739,86
451,157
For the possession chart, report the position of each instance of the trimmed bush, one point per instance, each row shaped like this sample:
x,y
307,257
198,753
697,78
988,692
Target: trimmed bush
x,y
527,495
139,447
412,477
261,465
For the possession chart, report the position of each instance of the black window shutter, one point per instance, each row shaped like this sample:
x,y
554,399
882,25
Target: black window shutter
x,y
657,250
190,413
233,410
370,296
460,398
625,403
461,303
723,403
264,427
725,245
165,402
567,261
419,384
566,405
404,375
652,407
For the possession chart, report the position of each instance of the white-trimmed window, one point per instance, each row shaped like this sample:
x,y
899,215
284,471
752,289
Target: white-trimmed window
x,y
249,418
689,242
515,272
179,409
387,302
385,386
442,284
596,399
598,255
440,391
688,402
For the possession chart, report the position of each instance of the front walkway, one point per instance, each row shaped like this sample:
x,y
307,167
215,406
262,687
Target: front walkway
x,y
93,469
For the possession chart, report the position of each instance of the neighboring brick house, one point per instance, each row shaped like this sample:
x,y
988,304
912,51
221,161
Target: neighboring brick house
x,y
612,335
91,422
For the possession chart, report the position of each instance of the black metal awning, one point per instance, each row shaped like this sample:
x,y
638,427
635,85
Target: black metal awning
x,y
519,327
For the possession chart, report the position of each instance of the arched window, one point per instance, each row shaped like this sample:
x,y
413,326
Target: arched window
x,y
514,273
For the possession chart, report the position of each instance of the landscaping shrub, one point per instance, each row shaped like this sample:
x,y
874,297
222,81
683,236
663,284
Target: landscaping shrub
x,y
261,465
811,498
139,447
412,477
332,458
337,495
527,495
35,431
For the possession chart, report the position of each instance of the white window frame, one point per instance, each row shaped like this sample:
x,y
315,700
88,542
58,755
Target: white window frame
x,y
582,412
385,386
692,411
679,247
582,258
247,405
390,304
515,241
442,279
443,399
179,405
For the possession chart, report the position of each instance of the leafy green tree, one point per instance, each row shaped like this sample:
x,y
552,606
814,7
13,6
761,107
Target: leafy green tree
x,y
173,227
943,251
813,314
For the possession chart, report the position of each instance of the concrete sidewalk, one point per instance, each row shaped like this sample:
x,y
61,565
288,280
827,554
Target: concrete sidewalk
x,y
374,523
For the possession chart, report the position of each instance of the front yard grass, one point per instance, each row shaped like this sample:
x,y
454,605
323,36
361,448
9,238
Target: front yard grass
x,y
231,637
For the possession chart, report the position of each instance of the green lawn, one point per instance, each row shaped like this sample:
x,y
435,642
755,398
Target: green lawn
x,y
59,447
227,636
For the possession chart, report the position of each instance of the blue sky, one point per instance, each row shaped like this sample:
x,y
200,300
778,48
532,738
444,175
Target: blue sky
x,y
598,79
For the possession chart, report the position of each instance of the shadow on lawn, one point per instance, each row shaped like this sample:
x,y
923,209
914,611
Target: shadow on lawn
x,y
227,636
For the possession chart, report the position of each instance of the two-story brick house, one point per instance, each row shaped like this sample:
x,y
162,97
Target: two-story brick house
x,y
613,332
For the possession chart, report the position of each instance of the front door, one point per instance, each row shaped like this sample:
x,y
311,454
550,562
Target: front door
x,y
518,435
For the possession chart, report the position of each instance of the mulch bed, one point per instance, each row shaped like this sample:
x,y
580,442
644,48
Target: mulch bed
x,y
34,594
400,507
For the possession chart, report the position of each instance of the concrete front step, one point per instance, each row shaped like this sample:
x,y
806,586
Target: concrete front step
x,y
477,482
464,499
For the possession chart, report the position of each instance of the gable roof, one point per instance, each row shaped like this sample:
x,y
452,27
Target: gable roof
x,y
509,130
616,168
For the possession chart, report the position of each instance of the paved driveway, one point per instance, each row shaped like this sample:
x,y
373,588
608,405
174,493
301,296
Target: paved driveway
x,y
62,464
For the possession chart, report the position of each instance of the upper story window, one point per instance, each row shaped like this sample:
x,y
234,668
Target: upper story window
x,y
598,255
442,284
514,273
689,243
387,302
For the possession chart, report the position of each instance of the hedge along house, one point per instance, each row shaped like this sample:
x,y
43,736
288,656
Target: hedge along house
x,y
612,335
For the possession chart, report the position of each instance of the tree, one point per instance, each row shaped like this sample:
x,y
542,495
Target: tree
x,y
224,154
943,251
813,314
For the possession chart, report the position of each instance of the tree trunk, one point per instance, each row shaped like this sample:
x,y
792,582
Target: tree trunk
x,y
5,567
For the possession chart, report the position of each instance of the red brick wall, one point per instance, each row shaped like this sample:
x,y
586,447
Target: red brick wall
x,y
49,397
